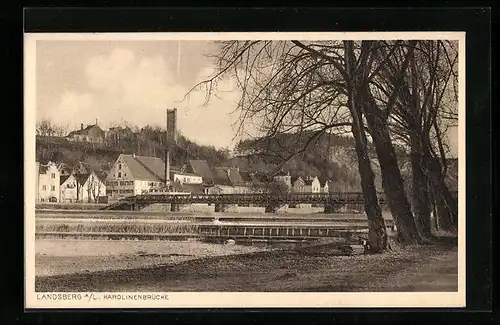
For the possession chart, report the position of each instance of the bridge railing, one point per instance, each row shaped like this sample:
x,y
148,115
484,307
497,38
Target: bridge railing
x,y
253,198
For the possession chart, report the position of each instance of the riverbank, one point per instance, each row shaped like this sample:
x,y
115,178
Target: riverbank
x,y
314,269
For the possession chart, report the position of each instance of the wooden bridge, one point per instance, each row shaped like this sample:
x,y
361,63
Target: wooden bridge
x,y
270,201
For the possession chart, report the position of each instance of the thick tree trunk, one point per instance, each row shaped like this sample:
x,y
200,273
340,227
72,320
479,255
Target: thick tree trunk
x,y
419,189
377,231
392,181
376,224
446,206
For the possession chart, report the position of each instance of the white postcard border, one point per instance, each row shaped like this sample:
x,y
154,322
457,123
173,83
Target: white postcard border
x,y
228,299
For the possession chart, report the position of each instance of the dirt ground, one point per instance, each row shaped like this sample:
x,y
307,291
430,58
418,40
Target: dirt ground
x,y
65,256
315,269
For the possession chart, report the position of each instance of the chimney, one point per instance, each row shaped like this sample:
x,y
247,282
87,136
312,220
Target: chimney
x,y
95,121
81,126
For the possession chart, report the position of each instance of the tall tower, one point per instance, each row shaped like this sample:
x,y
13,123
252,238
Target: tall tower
x,y
170,141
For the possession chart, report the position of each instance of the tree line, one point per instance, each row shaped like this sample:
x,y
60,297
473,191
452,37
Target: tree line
x,y
145,141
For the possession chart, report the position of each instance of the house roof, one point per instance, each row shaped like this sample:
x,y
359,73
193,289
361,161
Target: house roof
x,y
322,181
296,178
235,177
200,167
63,179
308,181
154,164
259,178
144,168
221,177
179,172
281,173
85,130
82,178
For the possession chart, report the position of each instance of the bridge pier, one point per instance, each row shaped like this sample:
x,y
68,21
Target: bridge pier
x,y
174,207
329,208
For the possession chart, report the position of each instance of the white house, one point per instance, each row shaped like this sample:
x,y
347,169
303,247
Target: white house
x,y
185,178
68,188
89,187
298,185
312,185
48,182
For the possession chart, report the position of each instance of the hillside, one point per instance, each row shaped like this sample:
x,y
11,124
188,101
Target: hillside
x,y
102,156
328,157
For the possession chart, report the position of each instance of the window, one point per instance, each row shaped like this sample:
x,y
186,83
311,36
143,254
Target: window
x,y
119,166
119,174
44,187
53,175
53,188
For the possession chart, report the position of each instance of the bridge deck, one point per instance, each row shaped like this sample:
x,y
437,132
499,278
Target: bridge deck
x,y
254,198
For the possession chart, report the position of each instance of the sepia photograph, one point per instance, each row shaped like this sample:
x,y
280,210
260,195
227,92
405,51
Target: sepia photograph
x,y
245,169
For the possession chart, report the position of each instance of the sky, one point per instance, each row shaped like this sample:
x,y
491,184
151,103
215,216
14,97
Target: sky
x,y
135,82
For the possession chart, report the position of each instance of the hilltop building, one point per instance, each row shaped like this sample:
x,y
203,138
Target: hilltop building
x,y
92,133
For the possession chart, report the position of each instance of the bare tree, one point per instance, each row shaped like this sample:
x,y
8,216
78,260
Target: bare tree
x,y
45,128
425,107
94,188
311,89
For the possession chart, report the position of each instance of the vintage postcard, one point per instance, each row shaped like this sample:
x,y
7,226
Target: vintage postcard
x,y
244,170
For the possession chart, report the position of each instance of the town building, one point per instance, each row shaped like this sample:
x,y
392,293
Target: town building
x,y
298,185
89,187
285,178
48,182
37,176
68,189
133,175
326,186
64,169
201,167
312,185
91,133
222,183
117,134
184,177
